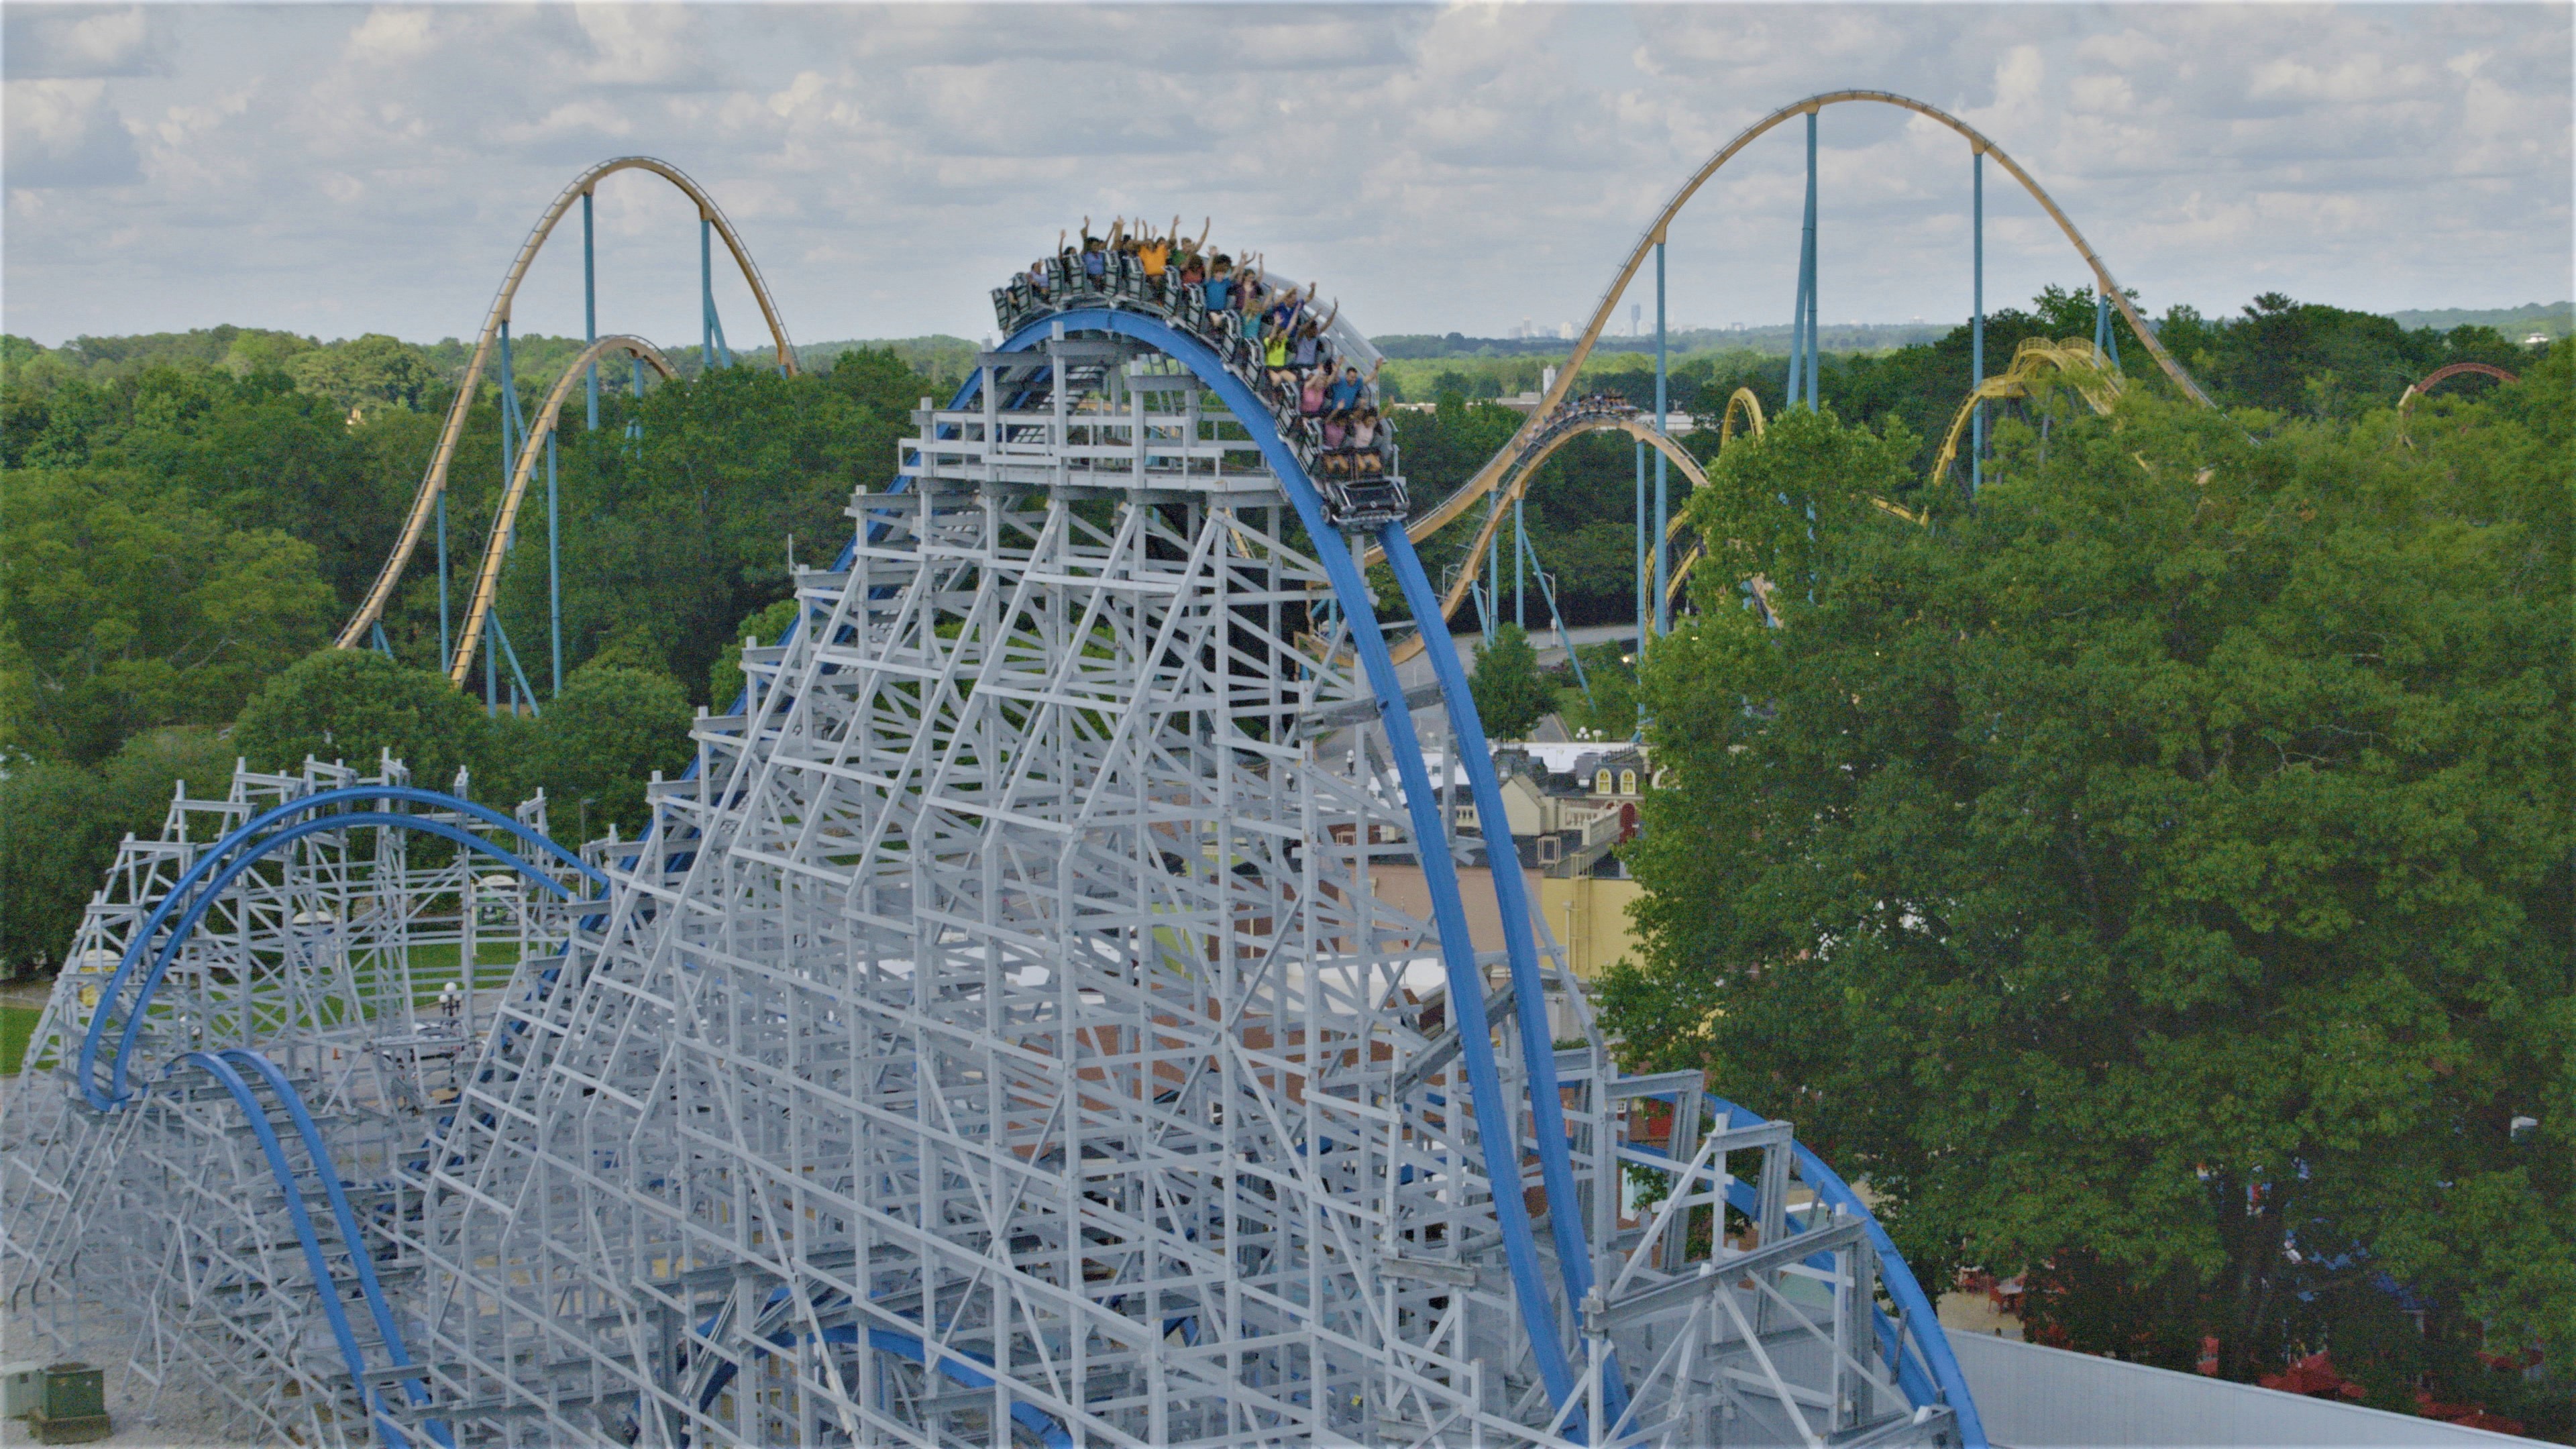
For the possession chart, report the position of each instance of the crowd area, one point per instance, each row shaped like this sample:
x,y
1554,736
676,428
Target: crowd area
x,y
1272,337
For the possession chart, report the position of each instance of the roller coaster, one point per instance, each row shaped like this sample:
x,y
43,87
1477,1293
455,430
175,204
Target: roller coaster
x,y
998,1036
1505,478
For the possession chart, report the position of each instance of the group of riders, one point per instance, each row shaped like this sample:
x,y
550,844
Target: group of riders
x,y
1270,335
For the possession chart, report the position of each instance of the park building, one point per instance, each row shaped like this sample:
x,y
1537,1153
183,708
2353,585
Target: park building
x,y
1567,816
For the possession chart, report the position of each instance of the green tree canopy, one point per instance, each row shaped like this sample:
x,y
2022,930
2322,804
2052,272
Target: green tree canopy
x,y
352,705
1510,692
56,832
2157,880
366,372
149,768
603,739
1610,672
59,826
728,680
123,606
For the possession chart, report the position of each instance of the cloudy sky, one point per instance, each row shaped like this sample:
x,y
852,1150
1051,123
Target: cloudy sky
x,y
337,170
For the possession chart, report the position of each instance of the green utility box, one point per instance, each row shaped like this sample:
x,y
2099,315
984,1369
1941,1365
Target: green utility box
x,y
74,1410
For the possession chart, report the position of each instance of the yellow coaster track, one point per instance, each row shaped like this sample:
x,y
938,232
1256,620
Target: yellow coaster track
x,y
487,580
1530,436
433,482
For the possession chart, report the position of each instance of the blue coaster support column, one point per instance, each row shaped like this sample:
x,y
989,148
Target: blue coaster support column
x,y
1520,574
1643,609
509,385
1807,268
519,687
445,645
711,343
554,560
1663,504
1493,570
590,308
1977,327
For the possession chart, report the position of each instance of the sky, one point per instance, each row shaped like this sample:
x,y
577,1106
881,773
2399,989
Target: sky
x,y
336,170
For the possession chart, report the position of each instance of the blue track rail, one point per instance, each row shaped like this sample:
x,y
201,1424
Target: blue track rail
x,y
196,892
1448,905
226,1067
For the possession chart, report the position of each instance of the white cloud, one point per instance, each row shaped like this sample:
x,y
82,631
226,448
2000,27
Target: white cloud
x,y
63,133
57,41
1438,168
643,45
391,37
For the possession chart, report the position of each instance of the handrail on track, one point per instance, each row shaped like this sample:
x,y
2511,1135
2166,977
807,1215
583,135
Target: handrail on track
x,y
433,481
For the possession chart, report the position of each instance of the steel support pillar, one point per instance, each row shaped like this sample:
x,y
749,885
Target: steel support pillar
x,y
1644,610
1520,574
1977,328
1807,266
445,644
1663,504
554,561
590,308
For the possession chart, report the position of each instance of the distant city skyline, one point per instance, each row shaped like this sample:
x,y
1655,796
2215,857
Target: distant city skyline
x,y
335,170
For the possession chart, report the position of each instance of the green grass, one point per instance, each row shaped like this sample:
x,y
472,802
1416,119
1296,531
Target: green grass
x,y
432,967
17,1023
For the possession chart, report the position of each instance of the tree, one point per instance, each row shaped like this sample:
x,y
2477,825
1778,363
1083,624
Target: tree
x,y
55,831
60,824
1610,672
2157,880
366,372
354,705
604,737
1510,693
123,606
149,768
728,681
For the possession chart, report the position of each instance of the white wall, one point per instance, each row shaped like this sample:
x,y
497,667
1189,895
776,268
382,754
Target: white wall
x,y
2033,1397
